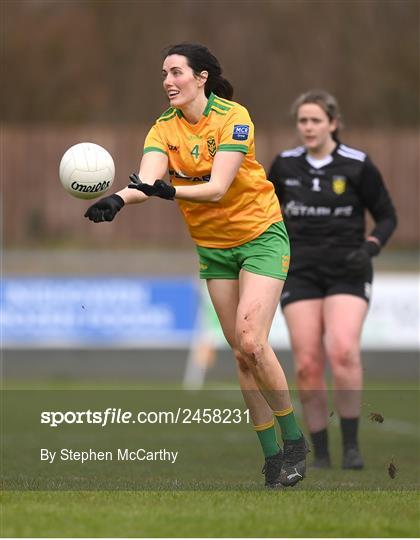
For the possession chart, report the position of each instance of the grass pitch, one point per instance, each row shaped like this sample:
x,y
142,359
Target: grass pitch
x,y
224,495
211,514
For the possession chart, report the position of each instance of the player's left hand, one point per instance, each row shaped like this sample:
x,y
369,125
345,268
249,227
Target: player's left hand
x,y
358,260
158,189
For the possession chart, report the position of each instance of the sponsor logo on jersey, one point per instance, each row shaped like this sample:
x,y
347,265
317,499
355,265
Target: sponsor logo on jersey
x,y
240,132
345,211
339,184
172,148
211,146
297,209
292,182
318,172
183,176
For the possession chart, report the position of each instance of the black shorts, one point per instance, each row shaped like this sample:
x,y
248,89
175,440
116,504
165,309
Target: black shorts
x,y
319,281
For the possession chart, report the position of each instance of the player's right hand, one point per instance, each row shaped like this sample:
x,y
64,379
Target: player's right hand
x,y
136,183
159,189
358,261
105,209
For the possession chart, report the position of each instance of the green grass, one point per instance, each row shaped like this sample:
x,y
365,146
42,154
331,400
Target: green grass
x,y
207,514
216,488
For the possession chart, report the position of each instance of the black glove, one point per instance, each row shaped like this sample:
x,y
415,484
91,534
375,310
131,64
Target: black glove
x,y
358,260
105,209
159,189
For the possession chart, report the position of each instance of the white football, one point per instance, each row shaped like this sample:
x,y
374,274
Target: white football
x,y
87,170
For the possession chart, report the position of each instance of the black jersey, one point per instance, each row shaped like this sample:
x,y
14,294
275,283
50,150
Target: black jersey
x,y
324,201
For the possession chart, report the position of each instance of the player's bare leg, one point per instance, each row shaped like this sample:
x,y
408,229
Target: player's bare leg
x,y
259,297
224,294
225,298
304,319
258,300
344,316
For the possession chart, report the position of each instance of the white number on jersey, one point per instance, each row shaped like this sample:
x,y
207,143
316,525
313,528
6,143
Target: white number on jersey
x,y
315,184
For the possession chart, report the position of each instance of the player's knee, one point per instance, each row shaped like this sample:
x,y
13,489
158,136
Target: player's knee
x,y
309,371
344,357
251,348
241,361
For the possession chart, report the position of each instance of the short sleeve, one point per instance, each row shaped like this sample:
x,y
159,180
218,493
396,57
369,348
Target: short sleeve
x,y
154,142
237,134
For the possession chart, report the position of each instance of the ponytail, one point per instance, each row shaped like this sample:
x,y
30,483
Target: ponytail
x,y
219,86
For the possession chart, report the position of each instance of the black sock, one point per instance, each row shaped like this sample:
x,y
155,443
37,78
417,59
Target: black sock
x,y
349,431
320,443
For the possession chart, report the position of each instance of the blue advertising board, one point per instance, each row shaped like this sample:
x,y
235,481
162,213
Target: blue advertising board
x,y
98,311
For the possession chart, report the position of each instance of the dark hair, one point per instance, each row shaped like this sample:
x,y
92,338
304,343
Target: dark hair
x,y
326,101
200,59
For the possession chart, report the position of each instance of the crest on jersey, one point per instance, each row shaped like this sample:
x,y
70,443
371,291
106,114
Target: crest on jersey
x,y
211,145
339,184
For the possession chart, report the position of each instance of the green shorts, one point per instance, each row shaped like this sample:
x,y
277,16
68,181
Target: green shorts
x,y
267,255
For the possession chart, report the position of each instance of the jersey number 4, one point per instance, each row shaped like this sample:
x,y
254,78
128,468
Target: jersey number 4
x,y
195,151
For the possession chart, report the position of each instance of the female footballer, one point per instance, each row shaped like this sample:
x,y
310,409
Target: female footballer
x,y
325,187
206,141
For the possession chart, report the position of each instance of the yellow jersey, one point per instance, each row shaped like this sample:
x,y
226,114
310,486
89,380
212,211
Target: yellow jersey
x,y
250,205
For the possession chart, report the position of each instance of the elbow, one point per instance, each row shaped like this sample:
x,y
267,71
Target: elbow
x,y
216,196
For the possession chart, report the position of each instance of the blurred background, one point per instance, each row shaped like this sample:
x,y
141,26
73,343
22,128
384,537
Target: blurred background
x,y
78,296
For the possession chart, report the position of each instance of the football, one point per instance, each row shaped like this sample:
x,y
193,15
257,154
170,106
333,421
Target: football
x,y
87,170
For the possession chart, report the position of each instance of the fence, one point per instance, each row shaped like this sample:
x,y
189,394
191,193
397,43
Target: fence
x,y
37,210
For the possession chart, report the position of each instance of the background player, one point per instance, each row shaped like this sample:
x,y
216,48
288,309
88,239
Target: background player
x,y
207,143
324,188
